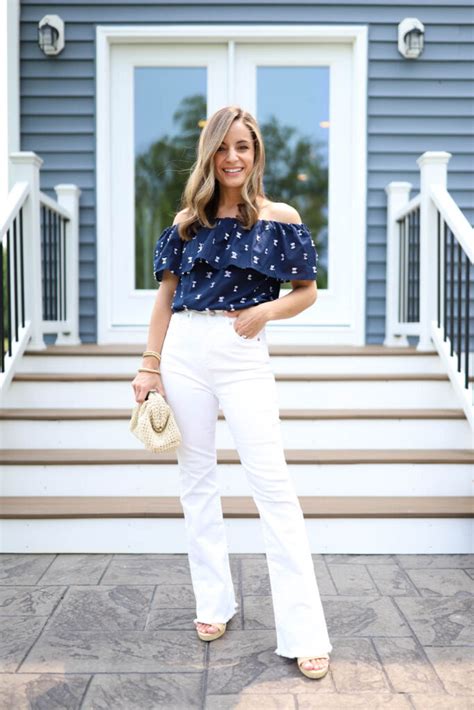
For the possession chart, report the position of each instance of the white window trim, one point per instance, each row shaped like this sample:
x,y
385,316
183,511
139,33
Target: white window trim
x,y
107,35
9,89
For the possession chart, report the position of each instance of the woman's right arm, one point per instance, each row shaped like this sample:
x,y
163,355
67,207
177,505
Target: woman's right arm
x,y
159,321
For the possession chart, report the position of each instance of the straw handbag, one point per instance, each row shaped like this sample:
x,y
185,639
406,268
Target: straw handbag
x,y
154,424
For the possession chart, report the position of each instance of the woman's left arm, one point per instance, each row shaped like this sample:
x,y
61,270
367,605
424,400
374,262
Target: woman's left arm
x,y
302,295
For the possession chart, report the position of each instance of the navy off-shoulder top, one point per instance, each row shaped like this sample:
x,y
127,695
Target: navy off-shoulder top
x,y
227,267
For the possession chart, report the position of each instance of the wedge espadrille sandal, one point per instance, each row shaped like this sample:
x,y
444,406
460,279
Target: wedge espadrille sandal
x,y
314,673
210,637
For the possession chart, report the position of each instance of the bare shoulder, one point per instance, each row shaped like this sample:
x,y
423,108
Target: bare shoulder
x,y
281,212
180,216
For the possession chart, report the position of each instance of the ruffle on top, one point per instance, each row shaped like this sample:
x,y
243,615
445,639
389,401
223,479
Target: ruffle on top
x,y
168,252
281,250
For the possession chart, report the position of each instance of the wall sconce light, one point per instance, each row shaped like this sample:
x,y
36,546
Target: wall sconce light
x,y
411,33
51,34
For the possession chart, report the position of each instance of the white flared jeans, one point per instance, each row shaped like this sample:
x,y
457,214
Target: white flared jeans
x,y
205,364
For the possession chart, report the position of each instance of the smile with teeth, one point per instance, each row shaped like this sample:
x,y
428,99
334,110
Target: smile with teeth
x,y
232,170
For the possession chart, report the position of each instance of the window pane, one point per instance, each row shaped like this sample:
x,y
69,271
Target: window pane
x,y
293,113
169,104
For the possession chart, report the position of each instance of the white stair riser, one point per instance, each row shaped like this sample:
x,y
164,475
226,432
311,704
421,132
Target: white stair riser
x,y
371,479
315,364
154,535
291,395
296,434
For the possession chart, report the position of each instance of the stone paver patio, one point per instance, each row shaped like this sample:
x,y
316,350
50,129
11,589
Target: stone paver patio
x,y
115,632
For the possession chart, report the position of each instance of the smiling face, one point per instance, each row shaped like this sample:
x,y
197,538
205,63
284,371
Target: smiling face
x,y
233,160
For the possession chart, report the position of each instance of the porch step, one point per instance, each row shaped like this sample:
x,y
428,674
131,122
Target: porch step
x,y
132,349
35,507
292,377
295,390
327,472
40,457
95,413
48,428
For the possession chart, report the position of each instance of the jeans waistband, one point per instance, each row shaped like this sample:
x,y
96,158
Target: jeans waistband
x,y
190,313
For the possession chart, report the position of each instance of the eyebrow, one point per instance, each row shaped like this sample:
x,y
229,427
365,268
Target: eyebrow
x,y
242,140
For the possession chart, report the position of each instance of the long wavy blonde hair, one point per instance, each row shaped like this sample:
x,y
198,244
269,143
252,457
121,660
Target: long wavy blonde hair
x,y
201,194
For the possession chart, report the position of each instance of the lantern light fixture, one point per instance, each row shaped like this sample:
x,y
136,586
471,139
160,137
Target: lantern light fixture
x,y
51,34
411,34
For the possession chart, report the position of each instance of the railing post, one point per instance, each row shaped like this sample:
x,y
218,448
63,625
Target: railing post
x,y
68,197
433,171
25,167
398,194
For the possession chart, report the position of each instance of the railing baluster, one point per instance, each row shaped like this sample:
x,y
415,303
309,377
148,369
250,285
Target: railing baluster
x,y
9,296
65,280
15,280
417,261
438,272
467,307
22,269
2,310
459,308
55,280
451,291
445,281
60,269
43,258
50,268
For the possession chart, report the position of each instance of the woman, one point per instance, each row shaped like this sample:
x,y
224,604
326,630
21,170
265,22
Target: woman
x,y
220,265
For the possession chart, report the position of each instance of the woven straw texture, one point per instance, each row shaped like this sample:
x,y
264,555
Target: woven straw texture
x,y
153,423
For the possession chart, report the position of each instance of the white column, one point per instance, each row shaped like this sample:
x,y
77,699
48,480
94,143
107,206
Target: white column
x,y
25,167
433,171
68,197
398,195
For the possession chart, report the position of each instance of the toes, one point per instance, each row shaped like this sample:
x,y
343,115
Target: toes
x,y
207,628
314,664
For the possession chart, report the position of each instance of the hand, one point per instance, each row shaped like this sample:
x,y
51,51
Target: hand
x,y
144,382
249,321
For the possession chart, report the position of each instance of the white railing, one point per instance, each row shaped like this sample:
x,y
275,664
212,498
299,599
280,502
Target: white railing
x,y
39,267
430,253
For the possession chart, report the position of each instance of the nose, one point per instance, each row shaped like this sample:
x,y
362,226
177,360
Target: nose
x,y
232,155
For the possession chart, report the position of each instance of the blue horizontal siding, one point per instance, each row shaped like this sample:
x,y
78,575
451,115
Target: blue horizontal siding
x,y
413,106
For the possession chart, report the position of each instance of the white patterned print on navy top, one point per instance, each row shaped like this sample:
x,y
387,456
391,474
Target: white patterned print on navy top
x,y
228,267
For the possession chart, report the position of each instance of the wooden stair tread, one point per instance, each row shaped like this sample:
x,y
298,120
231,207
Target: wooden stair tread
x,y
292,456
283,377
120,349
76,413
234,507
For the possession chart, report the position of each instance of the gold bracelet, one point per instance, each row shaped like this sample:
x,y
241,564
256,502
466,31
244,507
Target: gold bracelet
x,y
148,369
152,353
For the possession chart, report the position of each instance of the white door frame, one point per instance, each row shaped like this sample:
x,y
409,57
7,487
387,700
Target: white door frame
x,y
357,36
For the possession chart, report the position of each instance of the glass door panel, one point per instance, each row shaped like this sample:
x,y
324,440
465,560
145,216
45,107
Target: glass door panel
x,y
293,113
301,96
170,105
160,97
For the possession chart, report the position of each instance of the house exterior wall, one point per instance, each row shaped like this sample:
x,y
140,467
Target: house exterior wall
x,y
412,106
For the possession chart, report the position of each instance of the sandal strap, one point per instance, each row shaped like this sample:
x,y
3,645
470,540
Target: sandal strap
x,y
301,659
218,624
